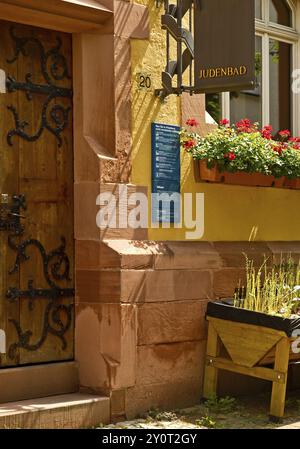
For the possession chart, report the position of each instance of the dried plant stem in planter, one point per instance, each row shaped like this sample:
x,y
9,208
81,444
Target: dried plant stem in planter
x,y
271,290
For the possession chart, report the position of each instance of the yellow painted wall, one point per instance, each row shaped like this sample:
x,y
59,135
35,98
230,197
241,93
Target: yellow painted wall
x,y
231,212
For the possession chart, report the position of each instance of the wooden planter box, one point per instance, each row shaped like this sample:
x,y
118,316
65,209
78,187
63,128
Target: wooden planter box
x,y
243,178
258,345
292,184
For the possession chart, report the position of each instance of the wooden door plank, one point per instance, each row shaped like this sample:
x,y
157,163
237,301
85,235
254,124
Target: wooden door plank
x,y
9,184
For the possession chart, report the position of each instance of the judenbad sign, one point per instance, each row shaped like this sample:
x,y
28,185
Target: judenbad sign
x,y
224,45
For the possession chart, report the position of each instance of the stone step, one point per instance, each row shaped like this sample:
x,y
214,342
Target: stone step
x,y
68,411
38,381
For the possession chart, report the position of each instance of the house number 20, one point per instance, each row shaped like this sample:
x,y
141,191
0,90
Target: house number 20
x,y
144,81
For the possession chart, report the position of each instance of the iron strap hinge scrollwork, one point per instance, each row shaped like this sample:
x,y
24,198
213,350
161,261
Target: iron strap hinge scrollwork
x,y
34,293
30,88
56,267
55,118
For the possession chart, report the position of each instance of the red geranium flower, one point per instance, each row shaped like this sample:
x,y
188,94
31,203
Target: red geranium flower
x,y
244,126
279,149
192,122
224,122
189,144
266,132
231,156
286,133
294,139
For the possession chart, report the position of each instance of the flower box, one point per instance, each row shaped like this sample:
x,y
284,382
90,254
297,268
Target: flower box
x,y
249,179
292,183
238,178
279,182
252,341
242,153
209,174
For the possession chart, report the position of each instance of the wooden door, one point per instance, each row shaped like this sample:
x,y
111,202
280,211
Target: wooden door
x,y
36,195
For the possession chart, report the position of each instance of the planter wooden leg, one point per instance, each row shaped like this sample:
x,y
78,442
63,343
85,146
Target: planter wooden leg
x,y
279,388
211,373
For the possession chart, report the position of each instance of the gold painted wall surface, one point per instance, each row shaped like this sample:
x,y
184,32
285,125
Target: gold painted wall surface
x,y
232,213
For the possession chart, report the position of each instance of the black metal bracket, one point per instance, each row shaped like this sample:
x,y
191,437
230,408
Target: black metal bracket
x,y
171,22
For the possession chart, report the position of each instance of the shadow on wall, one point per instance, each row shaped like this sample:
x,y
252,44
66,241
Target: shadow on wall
x,y
125,18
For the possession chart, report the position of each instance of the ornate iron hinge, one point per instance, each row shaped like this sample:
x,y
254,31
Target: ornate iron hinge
x,y
53,118
57,316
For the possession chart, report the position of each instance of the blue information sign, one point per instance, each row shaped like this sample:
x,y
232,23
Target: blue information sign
x,y
165,173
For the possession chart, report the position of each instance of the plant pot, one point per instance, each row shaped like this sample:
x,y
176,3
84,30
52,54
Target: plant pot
x,y
292,183
250,341
249,179
209,174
